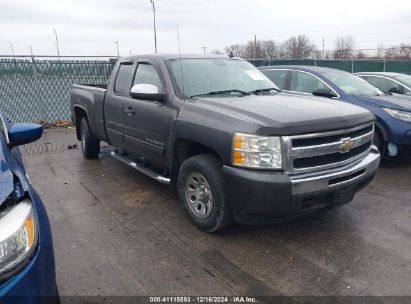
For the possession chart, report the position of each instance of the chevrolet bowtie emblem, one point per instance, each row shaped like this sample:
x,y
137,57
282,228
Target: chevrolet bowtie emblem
x,y
346,145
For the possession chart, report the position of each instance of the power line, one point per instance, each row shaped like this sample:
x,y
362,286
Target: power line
x,y
188,3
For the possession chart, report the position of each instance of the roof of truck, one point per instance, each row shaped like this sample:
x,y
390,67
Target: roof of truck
x,y
175,56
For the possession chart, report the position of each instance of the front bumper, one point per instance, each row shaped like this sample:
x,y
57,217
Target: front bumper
x,y
35,283
278,195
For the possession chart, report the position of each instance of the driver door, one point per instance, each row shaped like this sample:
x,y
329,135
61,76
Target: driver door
x,y
147,122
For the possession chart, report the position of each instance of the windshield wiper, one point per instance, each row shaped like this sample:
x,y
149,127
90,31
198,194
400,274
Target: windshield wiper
x,y
264,90
222,92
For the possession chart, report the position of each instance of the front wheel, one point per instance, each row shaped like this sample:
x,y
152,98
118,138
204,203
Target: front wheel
x,y
90,145
200,189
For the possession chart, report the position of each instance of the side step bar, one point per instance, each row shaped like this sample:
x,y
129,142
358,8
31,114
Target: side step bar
x,y
158,177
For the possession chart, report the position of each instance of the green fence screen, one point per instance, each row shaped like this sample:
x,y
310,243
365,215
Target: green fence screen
x,y
37,89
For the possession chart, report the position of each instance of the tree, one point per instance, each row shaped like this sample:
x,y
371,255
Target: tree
x,y
270,49
236,49
361,55
402,51
405,51
253,49
217,52
298,47
380,51
344,47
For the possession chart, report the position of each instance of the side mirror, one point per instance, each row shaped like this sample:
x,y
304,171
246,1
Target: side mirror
x,y
324,93
146,92
394,90
24,133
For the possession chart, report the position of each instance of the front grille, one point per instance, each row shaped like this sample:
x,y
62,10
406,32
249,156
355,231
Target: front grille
x,y
302,142
328,149
329,158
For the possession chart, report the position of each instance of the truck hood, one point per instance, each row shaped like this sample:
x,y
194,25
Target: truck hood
x,y
287,114
395,102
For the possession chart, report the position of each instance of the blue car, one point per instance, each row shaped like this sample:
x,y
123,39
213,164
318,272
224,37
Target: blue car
x,y
27,271
392,112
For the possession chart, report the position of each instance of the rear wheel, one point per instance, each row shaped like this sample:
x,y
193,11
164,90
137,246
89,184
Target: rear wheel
x,y
90,145
200,188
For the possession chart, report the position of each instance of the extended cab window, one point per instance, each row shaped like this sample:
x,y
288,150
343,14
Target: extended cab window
x,y
277,76
147,74
123,80
306,83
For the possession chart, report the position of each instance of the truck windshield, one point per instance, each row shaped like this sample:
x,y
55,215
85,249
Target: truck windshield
x,y
351,84
217,77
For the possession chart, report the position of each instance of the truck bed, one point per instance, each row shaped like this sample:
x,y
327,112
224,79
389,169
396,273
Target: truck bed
x,y
90,97
91,86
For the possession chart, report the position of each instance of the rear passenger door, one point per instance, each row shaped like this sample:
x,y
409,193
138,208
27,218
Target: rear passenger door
x,y
116,97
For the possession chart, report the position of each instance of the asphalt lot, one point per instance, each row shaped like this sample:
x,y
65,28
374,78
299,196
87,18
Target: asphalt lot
x,y
117,232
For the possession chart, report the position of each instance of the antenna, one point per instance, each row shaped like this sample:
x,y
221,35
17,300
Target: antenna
x,y
181,65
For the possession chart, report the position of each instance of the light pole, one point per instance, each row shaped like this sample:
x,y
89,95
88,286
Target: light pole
x,y
204,49
57,43
155,31
118,52
12,49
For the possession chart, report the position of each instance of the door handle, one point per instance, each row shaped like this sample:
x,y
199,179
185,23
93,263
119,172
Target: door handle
x,y
130,111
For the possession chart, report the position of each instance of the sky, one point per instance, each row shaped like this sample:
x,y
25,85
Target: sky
x,y
91,27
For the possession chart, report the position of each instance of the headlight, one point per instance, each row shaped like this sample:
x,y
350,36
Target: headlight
x,y
402,115
18,235
252,151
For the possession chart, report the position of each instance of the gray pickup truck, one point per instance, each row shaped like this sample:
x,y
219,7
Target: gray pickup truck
x,y
235,147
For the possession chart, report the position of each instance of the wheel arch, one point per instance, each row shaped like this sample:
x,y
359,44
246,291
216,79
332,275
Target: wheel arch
x,y
184,149
79,114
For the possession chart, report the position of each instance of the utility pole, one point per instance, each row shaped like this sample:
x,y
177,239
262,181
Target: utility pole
x,y
57,43
204,49
323,50
118,52
14,55
255,45
155,30
12,49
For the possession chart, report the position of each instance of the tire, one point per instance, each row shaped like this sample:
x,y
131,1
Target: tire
x,y
379,142
204,200
90,145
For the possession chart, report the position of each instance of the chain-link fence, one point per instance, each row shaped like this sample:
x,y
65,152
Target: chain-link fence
x,y
37,89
